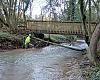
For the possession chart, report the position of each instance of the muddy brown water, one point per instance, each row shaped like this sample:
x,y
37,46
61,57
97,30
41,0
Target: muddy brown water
x,y
49,63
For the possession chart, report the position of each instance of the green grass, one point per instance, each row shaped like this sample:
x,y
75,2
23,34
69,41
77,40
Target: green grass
x,y
60,38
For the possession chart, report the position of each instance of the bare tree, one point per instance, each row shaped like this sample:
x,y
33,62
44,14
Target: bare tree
x,y
10,11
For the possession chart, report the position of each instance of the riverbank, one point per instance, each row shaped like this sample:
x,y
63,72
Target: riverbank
x,y
16,41
89,71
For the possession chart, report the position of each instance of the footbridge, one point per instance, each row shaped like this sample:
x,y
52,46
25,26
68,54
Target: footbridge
x,y
58,27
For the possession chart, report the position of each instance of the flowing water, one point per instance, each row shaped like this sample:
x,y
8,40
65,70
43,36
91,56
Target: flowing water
x,y
49,63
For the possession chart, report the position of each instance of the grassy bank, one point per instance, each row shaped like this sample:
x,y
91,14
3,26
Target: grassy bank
x,y
13,41
61,38
10,41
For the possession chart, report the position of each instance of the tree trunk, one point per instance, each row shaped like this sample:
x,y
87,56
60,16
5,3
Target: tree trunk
x,y
93,44
89,32
84,21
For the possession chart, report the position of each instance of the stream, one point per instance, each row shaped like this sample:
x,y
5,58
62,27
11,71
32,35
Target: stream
x,y
48,63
